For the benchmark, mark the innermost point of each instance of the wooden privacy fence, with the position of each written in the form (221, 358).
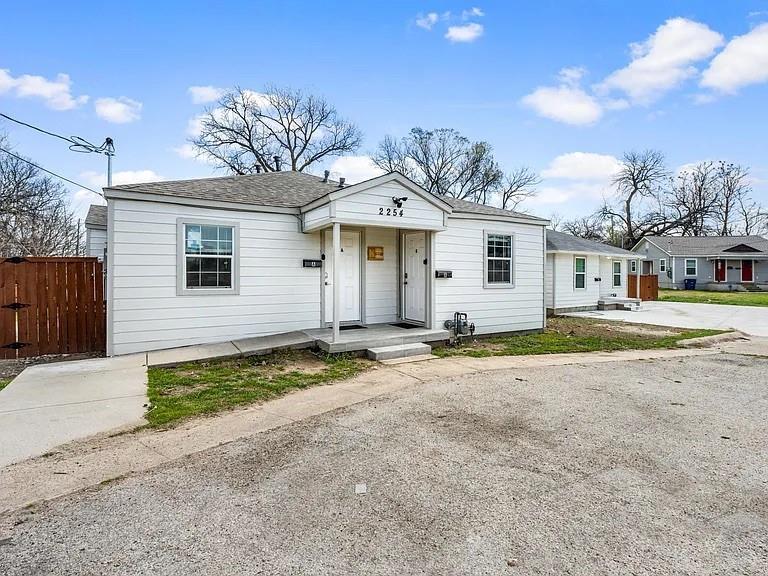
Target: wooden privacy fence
(649, 287)
(51, 306)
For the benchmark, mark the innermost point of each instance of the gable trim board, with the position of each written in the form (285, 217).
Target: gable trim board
(278, 294)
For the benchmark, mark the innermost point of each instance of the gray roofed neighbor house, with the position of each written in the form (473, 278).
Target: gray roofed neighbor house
(561, 242)
(706, 245)
(97, 217)
(283, 189)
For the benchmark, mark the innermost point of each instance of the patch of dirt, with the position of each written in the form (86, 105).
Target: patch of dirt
(655, 331)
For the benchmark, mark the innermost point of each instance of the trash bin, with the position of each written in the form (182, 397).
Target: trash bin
(690, 283)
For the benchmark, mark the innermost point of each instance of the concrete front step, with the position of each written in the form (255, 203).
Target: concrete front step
(399, 351)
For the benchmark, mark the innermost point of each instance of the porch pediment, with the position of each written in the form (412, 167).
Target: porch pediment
(390, 201)
(742, 249)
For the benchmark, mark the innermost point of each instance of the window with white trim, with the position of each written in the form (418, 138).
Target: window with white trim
(633, 266)
(580, 272)
(690, 266)
(662, 264)
(208, 257)
(616, 273)
(498, 259)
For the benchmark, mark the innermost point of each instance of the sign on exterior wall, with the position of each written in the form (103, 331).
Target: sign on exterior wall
(375, 252)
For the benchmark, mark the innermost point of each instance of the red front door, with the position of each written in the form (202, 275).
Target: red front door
(746, 271)
(719, 270)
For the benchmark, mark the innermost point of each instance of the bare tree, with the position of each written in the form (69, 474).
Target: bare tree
(35, 219)
(694, 199)
(246, 130)
(733, 198)
(443, 162)
(590, 227)
(518, 186)
(556, 221)
(753, 218)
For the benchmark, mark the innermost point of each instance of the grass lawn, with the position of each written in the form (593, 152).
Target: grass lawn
(4, 382)
(707, 297)
(578, 335)
(208, 387)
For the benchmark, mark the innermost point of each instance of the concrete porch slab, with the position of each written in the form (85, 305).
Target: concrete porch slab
(374, 336)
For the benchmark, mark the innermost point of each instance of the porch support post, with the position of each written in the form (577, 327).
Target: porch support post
(336, 276)
(637, 283)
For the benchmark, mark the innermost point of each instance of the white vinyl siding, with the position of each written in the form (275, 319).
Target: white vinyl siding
(691, 267)
(566, 294)
(461, 249)
(276, 293)
(375, 207)
(95, 242)
(381, 283)
(606, 279)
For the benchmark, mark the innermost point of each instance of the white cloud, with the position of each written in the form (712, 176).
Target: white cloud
(354, 169)
(582, 166)
(571, 76)
(118, 110)
(664, 60)
(466, 33)
(57, 94)
(205, 94)
(189, 152)
(577, 176)
(195, 125)
(742, 62)
(427, 21)
(568, 104)
(473, 12)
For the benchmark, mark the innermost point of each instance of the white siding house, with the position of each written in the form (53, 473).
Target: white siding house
(580, 273)
(217, 259)
(96, 231)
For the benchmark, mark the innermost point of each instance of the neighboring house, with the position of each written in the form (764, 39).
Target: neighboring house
(580, 273)
(96, 231)
(215, 259)
(715, 262)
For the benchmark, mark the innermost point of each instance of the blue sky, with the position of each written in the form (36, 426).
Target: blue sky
(562, 87)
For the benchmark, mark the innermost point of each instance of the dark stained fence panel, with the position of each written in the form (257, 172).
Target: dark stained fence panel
(52, 306)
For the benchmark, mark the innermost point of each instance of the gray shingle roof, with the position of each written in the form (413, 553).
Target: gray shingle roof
(279, 189)
(561, 242)
(97, 217)
(705, 245)
(474, 208)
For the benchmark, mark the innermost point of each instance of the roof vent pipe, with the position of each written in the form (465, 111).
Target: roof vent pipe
(325, 175)
(258, 169)
(277, 163)
(341, 182)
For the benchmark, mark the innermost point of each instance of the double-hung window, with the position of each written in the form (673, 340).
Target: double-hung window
(616, 273)
(208, 263)
(690, 266)
(662, 265)
(633, 266)
(580, 272)
(499, 260)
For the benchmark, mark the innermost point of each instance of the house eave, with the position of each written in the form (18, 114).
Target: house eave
(110, 193)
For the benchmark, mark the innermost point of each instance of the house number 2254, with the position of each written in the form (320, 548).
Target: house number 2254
(390, 211)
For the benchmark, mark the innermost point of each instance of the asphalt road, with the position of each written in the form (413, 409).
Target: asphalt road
(649, 467)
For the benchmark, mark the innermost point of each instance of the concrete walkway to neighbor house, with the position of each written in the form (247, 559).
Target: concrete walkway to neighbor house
(52, 404)
(84, 464)
(748, 319)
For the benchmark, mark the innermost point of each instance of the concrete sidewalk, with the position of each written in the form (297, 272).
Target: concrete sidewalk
(52, 404)
(84, 464)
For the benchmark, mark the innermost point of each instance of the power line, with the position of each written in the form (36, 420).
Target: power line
(49, 172)
(36, 128)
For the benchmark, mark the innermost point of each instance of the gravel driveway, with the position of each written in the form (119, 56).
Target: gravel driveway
(649, 467)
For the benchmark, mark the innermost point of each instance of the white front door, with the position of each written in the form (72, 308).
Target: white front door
(414, 276)
(349, 277)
